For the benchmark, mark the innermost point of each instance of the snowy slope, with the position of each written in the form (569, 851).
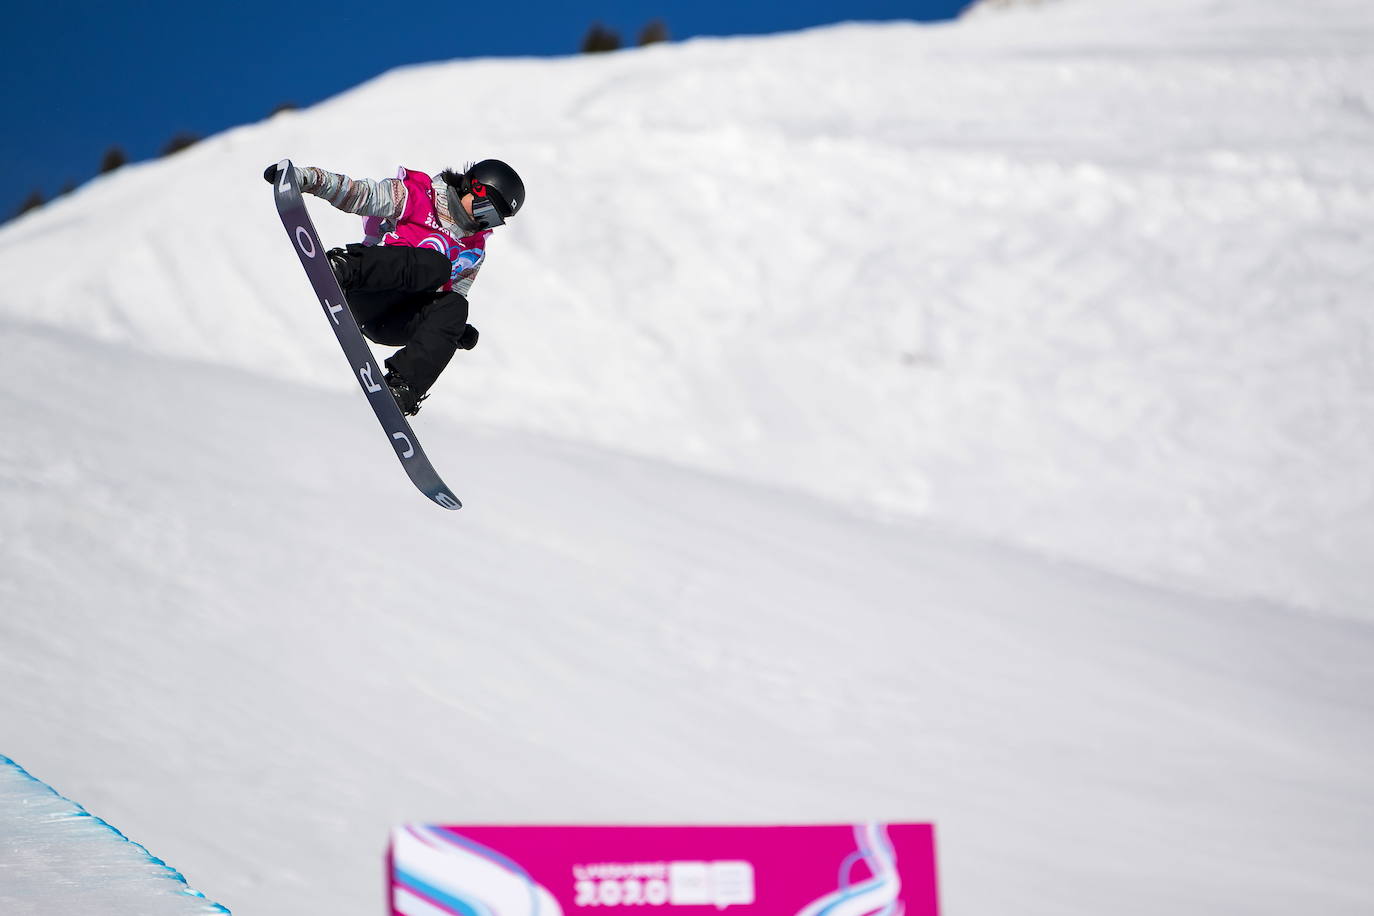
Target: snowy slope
(256, 660)
(991, 481)
(49, 843)
(1092, 262)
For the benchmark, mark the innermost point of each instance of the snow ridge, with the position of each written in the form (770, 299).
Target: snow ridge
(1087, 278)
(58, 857)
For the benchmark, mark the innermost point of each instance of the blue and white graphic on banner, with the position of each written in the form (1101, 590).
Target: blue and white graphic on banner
(467, 260)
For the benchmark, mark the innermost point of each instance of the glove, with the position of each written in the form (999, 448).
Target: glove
(271, 174)
(469, 338)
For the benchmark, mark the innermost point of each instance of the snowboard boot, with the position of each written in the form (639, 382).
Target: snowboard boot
(406, 398)
(345, 266)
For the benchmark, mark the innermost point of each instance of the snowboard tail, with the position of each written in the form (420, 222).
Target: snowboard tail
(369, 374)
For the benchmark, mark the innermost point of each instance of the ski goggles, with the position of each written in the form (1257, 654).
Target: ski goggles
(484, 208)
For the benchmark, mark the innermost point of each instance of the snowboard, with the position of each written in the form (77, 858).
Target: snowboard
(306, 241)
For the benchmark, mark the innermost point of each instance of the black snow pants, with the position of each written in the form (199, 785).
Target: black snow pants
(393, 293)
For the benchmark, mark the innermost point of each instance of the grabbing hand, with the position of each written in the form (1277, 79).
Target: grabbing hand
(272, 173)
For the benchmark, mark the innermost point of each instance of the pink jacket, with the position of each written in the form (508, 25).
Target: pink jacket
(406, 211)
(419, 227)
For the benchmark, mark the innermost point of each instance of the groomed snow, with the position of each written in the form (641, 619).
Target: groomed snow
(969, 423)
(1087, 277)
(55, 857)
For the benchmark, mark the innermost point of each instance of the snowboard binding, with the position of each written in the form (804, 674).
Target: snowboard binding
(405, 396)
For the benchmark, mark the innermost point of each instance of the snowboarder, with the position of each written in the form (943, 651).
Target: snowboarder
(407, 284)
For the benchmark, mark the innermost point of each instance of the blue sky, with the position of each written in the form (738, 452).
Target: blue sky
(81, 77)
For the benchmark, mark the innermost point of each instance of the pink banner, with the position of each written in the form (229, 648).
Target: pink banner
(836, 870)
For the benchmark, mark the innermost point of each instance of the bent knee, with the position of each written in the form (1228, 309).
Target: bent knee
(429, 269)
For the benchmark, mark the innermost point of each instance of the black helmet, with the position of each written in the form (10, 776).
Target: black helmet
(497, 182)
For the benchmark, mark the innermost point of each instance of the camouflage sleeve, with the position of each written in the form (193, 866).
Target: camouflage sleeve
(363, 196)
